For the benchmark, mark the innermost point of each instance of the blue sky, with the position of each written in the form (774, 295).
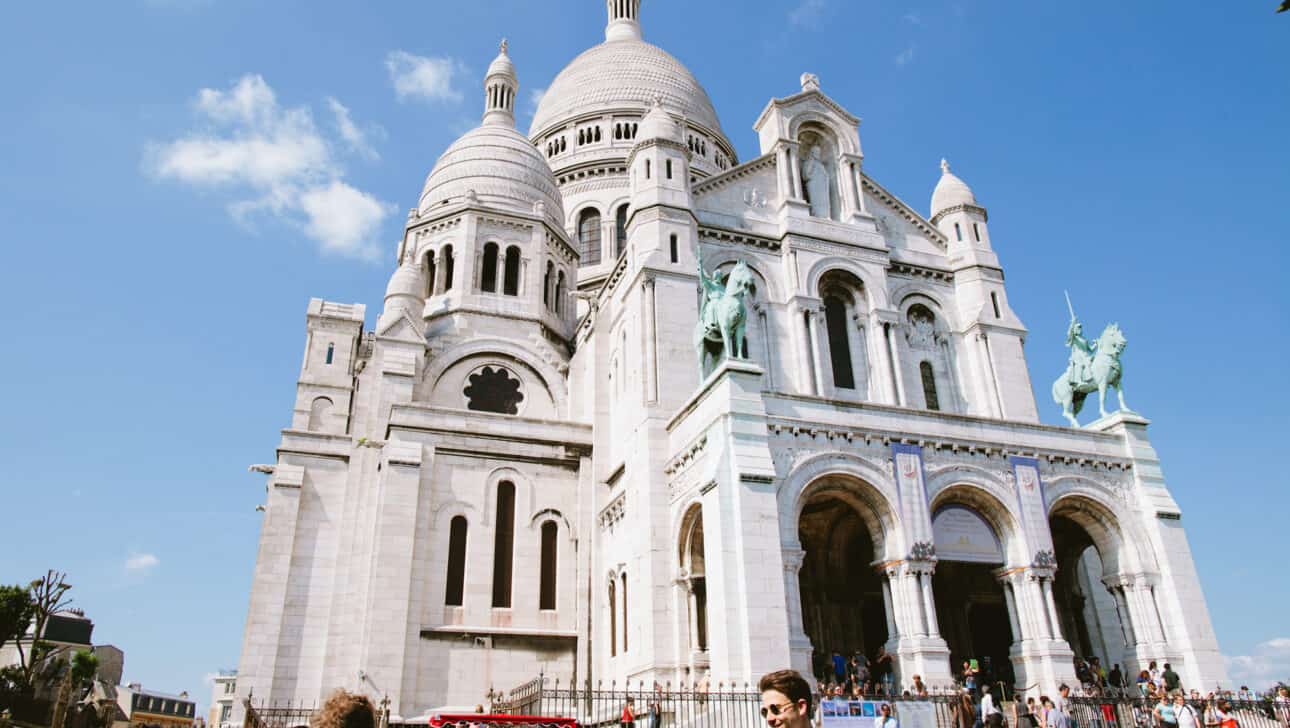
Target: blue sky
(178, 177)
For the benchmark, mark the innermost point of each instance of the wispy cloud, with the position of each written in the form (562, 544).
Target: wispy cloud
(247, 142)
(139, 563)
(1269, 663)
(807, 12)
(419, 77)
(355, 137)
(535, 99)
(905, 57)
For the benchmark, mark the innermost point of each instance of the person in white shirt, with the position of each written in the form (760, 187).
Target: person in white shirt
(1185, 713)
(885, 718)
(990, 713)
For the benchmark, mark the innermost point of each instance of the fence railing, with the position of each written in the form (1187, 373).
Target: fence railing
(277, 715)
(737, 706)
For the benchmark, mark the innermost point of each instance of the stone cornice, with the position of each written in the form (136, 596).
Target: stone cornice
(904, 210)
(738, 237)
(746, 169)
(800, 96)
(916, 271)
(960, 208)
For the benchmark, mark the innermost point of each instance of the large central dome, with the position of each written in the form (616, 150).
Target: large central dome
(625, 73)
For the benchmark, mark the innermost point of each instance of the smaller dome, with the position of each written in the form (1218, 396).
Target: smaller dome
(406, 281)
(658, 124)
(500, 168)
(950, 191)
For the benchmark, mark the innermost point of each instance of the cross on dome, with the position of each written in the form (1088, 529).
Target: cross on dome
(500, 87)
(945, 166)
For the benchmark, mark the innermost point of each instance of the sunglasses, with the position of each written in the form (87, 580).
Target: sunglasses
(776, 709)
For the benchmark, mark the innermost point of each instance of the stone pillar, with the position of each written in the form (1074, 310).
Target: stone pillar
(881, 387)
(651, 342)
(929, 604)
(1039, 608)
(1008, 597)
(1125, 614)
(893, 630)
(795, 168)
(799, 644)
(820, 354)
(1047, 586)
(860, 361)
(813, 352)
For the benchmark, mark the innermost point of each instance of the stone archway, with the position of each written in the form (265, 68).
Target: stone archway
(693, 580)
(1104, 609)
(842, 528)
(972, 532)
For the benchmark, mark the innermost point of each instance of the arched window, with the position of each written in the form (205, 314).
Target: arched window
(560, 291)
(331, 352)
(835, 321)
(488, 274)
(319, 410)
(624, 596)
(456, 587)
(613, 621)
(504, 544)
(511, 277)
(620, 230)
(589, 236)
(546, 284)
(675, 252)
(449, 262)
(429, 273)
(546, 591)
(929, 386)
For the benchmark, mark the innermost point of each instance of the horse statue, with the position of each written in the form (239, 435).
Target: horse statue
(1092, 367)
(722, 317)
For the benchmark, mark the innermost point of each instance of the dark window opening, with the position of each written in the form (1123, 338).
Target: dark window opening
(929, 386)
(675, 252)
(488, 277)
(613, 621)
(449, 262)
(546, 284)
(668, 163)
(958, 232)
(620, 229)
(589, 237)
(331, 352)
(456, 562)
(624, 578)
(647, 165)
(504, 544)
(430, 271)
(976, 232)
(546, 592)
(493, 389)
(511, 277)
(559, 293)
(835, 322)
(994, 298)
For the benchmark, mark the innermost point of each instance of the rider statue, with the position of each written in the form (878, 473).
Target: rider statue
(1082, 351)
(714, 287)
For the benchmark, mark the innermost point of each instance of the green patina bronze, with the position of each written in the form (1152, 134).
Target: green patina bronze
(1093, 367)
(723, 319)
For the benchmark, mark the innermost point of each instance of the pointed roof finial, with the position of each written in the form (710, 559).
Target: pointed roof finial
(502, 47)
(945, 166)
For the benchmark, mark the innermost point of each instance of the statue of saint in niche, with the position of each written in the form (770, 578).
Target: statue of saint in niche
(818, 183)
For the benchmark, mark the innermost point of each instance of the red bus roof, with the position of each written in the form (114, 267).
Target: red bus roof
(438, 720)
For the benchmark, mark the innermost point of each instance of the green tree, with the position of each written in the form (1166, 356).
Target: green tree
(16, 610)
(85, 665)
(48, 597)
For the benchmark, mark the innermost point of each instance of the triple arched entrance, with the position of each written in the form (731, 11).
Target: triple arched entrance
(862, 588)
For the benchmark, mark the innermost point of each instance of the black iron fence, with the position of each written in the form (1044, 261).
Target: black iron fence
(737, 706)
(277, 715)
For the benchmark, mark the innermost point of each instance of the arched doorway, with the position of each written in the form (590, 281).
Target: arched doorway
(1087, 545)
(840, 528)
(971, 606)
(694, 582)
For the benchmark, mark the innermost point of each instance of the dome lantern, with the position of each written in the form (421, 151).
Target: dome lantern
(624, 20)
(500, 87)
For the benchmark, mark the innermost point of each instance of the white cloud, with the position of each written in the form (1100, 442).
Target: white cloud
(905, 56)
(140, 563)
(535, 99)
(279, 162)
(807, 12)
(345, 220)
(354, 137)
(430, 79)
(1269, 663)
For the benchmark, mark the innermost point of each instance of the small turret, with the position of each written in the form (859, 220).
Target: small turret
(405, 294)
(659, 163)
(955, 213)
(500, 87)
(624, 20)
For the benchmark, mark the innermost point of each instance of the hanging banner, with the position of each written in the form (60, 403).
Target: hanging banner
(911, 490)
(843, 713)
(1031, 503)
(963, 535)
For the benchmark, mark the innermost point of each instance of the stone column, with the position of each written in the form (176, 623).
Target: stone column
(880, 387)
(1047, 586)
(914, 591)
(929, 604)
(1039, 609)
(893, 630)
(813, 340)
(861, 364)
(893, 357)
(1017, 634)
(795, 167)
(768, 351)
(952, 372)
(799, 644)
(651, 341)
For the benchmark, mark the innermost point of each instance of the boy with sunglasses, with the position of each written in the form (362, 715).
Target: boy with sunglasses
(785, 699)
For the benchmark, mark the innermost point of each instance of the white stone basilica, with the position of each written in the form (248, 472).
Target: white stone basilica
(522, 471)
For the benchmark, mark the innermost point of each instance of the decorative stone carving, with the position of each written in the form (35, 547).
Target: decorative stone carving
(921, 331)
(723, 319)
(810, 82)
(922, 551)
(754, 198)
(1044, 560)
